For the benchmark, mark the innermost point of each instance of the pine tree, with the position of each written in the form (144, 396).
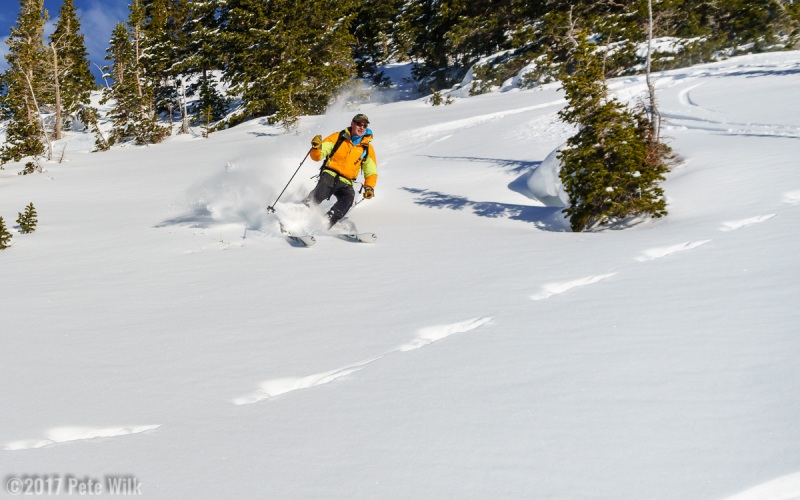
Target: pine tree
(162, 42)
(374, 29)
(73, 78)
(202, 56)
(5, 235)
(287, 58)
(132, 112)
(612, 166)
(21, 83)
(422, 36)
(27, 220)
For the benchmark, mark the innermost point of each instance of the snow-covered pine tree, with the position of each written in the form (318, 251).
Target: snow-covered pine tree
(126, 109)
(202, 56)
(22, 81)
(612, 166)
(73, 77)
(132, 111)
(162, 43)
(27, 220)
(5, 235)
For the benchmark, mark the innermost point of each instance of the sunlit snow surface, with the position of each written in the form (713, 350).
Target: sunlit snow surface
(158, 324)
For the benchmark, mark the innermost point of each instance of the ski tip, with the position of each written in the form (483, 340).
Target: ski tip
(302, 241)
(361, 237)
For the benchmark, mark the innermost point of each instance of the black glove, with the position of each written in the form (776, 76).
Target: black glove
(368, 192)
(316, 142)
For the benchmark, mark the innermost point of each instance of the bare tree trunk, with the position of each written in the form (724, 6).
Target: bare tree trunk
(655, 115)
(184, 111)
(58, 125)
(137, 35)
(103, 74)
(41, 120)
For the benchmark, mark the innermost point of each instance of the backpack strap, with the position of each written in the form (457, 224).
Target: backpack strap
(336, 145)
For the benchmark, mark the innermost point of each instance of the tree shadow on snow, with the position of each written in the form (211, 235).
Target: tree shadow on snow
(547, 218)
(544, 218)
(512, 166)
(519, 185)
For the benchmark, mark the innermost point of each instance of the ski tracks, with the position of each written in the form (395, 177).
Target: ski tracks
(59, 435)
(268, 389)
(273, 388)
(549, 290)
(426, 336)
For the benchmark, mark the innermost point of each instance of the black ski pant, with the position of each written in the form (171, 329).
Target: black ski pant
(329, 185)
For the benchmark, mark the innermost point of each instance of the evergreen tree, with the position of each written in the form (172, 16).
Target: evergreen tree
(612, 166)
(21, 83)
(287, 58)
(125, 88)
(132, 112)
(422, 36)
(374, 30)
(204, 55)
(27, 220)
(162, 43)
(72, 76)
(5, 235)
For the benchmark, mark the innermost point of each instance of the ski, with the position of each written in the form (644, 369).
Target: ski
(346, 230)
(359, 237)
(305, 240)
(350, 233)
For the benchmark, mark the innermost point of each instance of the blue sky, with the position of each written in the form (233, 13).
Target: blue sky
(97, 18)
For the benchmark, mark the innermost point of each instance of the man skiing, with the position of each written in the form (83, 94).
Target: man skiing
(345, 154)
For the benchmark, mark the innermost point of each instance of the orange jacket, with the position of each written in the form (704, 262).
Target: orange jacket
(349, 159)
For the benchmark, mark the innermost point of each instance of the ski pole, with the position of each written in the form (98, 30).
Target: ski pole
(271, 208)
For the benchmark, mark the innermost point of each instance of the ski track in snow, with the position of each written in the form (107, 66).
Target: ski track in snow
(700, 118)
(276, 387)
(551, 289)
(443, 130)
(734, 225)
(783, 488)
(435, 333)
(685, 97)
(660, 252)
(59, 435)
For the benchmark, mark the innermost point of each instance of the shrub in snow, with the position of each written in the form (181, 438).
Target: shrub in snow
(5, 236)
(27, 220)
(612, 166)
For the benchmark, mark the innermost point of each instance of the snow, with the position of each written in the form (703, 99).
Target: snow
(158, 325)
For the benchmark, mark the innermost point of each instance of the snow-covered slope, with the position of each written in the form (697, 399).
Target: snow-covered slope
(157, 325)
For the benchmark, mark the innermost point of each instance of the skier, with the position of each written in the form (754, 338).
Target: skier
(345, 154)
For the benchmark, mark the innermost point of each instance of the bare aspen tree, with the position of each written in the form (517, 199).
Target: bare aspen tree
(57, 90)
(655, 116)
(41, 118)
(184, 112)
